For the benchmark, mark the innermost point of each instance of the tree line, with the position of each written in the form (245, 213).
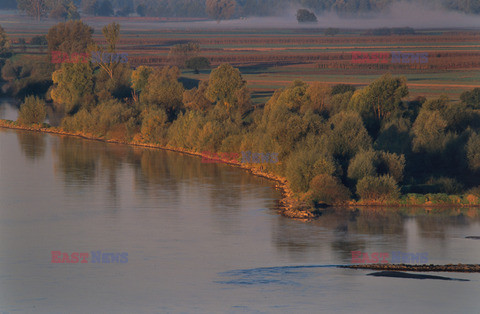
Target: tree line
(216, 9)
(334, 143)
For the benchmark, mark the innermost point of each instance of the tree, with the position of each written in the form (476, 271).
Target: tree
(220, 9)
(35, 8)
(429, 131)
(73, 86)
(32, 111)
(473, 152)
(319, 94)
(72, 12)
(39, 40)
(305, 16)
(90, 6)
(381, 97)
(348, 135)
(471, 98)
(342, 88)
(195, 98)
(224, 81)
(5, 44)
(197, 63)
(179, 54)
(111, 32)
(141, 10)
(163, 90)
(59, 12)
(105, 8)
(140, 79)
(70, 37)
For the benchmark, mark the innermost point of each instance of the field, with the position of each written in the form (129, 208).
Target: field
(272, 58)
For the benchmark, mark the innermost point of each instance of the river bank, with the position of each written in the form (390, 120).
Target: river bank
(289, 205)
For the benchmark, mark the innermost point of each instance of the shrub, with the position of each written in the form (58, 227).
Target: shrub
(328, 189)
(39, 40)
(378, 188)
(32, 111)
(445, 185)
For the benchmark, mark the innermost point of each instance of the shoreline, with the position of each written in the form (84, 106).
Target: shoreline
(288, 205)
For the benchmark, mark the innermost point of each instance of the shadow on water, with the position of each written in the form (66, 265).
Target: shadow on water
(282, 275)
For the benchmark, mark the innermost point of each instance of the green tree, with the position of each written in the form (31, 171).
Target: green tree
(40, 40)
(32, 111)
(70, 37)
(5, 45)
(163, 90)
(105, 8)
(179, 54)
(382, 97)
(220, 9)
(305, 16)
(429, 132)
(197, 64)
(73, 86)
(223, 83)
(471, 98)
(348, 135)
(140, 79)
(195, 98)
(111, 32)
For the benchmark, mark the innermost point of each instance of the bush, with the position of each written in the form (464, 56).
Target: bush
(474, 191)
(32, 111)
(39, 40)
(445, 185)
(328, 189)
(378, 188)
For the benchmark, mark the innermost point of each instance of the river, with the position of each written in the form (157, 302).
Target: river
(201, 238)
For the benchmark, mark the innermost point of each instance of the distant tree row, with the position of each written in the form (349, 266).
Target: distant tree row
(56, 9)
(216, 9)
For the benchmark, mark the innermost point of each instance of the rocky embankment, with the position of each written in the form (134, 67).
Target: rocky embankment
(459, 268)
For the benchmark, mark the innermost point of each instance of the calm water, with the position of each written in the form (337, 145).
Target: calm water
(201, 238)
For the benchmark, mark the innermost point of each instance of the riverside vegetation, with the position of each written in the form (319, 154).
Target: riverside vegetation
(336, 145)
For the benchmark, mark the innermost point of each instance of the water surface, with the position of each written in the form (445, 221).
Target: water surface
(202, 238)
